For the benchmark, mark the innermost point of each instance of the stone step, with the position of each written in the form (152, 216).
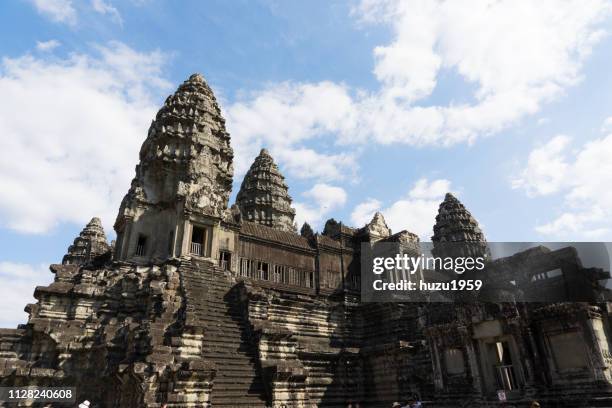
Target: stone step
(226, 343)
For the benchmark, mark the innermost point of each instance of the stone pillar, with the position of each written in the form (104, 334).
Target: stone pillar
(472, 359)
(593, 325)
(126, 235)
(186, 238)
(438, 377)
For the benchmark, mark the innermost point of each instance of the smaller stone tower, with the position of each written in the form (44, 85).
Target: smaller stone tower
(456, 232)
(264, 197)
(90, 244)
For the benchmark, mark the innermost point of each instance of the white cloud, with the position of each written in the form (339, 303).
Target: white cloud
(326, 196)
(363, 212)
(583, 178)
(415, 212)
(323, 198)
(543, 121)
(283, 116)
(546, 170)
(17, 289)
(516, 55)
(423, 189)
(306, 163)
(102, 7)
(60, 11)
(47, 45)
(72, 128)
(607, 125)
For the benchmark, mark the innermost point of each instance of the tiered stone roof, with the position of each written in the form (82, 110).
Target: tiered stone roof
(90, 244)
(264, 196)
(454, 223)
(187, 154)
(456, 231)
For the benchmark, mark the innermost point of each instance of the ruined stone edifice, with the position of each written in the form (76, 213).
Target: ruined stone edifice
(200, 304)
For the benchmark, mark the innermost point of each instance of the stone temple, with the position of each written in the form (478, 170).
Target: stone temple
(199, 304)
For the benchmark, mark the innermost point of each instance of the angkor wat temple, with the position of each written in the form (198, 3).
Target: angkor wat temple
(199, 304)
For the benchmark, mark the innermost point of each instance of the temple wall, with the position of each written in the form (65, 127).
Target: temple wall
(276, 255)
(576, 348)
(160, 229)
(305, 348)
(112, 326)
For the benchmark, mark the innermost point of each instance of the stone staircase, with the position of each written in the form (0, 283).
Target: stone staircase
(213, 305)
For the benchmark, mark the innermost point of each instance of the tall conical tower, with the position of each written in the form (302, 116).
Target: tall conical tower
(90, 244)
(264, 197)
(184, 177)
(456, 232)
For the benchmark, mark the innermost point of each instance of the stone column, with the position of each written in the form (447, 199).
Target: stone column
(472, 358)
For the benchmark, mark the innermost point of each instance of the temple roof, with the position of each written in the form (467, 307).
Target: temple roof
(273, 234)
(264, 196)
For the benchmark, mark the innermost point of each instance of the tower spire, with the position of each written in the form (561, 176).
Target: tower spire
(90, 244)
(456, 231)
(264, 196)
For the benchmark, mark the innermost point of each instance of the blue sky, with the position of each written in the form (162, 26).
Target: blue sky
(366, 106)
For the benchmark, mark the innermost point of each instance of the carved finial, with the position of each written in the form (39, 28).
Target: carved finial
(197, 77)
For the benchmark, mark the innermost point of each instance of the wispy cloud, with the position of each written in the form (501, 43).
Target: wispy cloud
(60, 11)
(516, 55)
(321, 199)
(105, 8)
(81, 120)
(415, 211)
(17, 289)
(582, 177)
(49, 45)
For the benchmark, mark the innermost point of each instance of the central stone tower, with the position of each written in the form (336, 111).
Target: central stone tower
(183, 181)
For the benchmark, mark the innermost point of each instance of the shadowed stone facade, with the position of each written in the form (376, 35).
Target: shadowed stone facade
(201, 305)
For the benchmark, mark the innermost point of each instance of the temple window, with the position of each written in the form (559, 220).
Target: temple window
(198, 238)
(547, 275)
(309, 280)
(291, 279)
(569, 351)
(225, 260)
(262, 270)
(287, 275)
(499, 353)
(453, 359)
(246, 267)
(141, 245)
(277, 273)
